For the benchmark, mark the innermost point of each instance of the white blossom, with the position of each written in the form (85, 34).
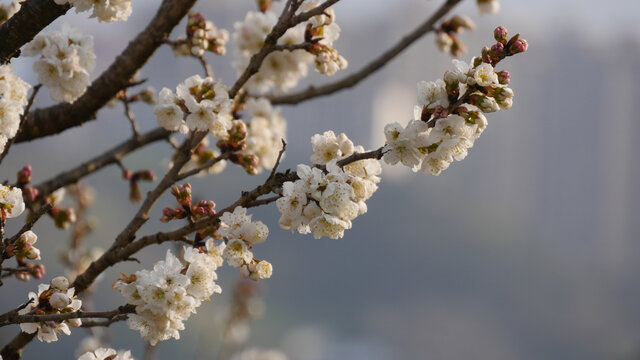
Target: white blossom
(66, 60)
(104, 10)
(11, 202)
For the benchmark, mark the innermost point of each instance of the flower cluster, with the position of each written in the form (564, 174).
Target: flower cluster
(55, 298)
(443, 130)
(323, 31)
(167, 295)
(202, 36)
(241, 234)
(106, 354)
(284, 69)
(66, 59)
(104, 10)
(11, 202)
(446, 35)
(327, 202)
(204, 102)
(7, 11)
(13, 99)
(265, 131)
(490, 7)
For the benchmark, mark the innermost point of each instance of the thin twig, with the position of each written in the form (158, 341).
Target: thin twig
(203, 167)
(92, 165)
(275, 167)
(132, 119)
(377, 64)
(205, 66)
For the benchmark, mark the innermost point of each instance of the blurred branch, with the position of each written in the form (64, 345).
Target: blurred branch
(57, 118)
(14, 318)
(112, 156)
(350, 81)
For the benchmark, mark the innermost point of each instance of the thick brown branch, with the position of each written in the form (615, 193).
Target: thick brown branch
(23, 26)
(55, 119)
(372, 67)
(110, 157)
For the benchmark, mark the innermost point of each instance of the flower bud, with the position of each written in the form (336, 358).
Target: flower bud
(518, 46)
(22, 276)
(182, 194)
(28, 237)
(127, 174)
(145, 175)
(504, 78)
(30, 193)
(33, 254)
(60, 283)
(135, 194)
(59, 300)
(38, 271)
(75, 323)
(24, 175)
(501, 34)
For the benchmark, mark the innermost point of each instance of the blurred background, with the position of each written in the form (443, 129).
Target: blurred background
(527, 249)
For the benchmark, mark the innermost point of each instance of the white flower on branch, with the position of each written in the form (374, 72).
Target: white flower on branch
(166, 296)
(11, 202)
(106, 354)
(104, 10)
(61, 300)
(13, 99)
(66, 59)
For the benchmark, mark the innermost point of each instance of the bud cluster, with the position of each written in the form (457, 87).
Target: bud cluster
(182, 193)
(135, 194)
(202, 36)
(446, 35)
(54, 298)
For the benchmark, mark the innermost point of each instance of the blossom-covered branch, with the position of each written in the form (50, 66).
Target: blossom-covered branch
(15, 318)
(57, 118)
(33, 16)
(352, 80)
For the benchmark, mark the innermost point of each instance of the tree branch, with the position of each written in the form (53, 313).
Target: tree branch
(23, 119)
(377, 64)
(14, 318)
(112, 156)
(57, 118)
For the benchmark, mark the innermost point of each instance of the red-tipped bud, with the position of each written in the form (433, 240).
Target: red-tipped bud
(145, 175)
(127, 174)
(518, 46)
(30, 193)
(504, 78)
(24, 175)
(501, 34)
(204, 208)
(38, 271)
(440, 112)
(182, 194)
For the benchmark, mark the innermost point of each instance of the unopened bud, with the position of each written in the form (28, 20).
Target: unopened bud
(504, 78)
(59, 300)
(24, 175)
(30, 193)
(135, 194)
(38, 271)
(501, 34)
(60, 283)
(518, 46)
(33, 254)
(127, 174)
(76, 323)
(145, 175)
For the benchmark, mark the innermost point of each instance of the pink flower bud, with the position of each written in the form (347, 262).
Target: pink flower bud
(146, 175)
(518, 46)
(30, 193)
(504, 78)
(501, 34)
(38, 271)
(24, 175)
(22, 276)
(127, 174)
